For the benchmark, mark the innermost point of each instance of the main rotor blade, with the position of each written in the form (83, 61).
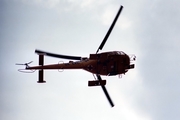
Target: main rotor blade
(58, 55)
(110, 29)
(105, 91)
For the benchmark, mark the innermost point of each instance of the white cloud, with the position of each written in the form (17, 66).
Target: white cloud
(129, 112)
(108, 17)
(54, 4)
(146, 91)
(125, 23)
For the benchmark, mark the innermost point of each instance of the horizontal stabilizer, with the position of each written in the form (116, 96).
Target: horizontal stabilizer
(41, 72)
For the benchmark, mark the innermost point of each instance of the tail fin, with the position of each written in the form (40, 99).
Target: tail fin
(41, 72)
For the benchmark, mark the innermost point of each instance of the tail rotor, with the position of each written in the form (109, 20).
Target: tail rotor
(26, 66)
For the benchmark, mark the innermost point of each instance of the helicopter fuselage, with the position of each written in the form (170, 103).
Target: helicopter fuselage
(107, 63)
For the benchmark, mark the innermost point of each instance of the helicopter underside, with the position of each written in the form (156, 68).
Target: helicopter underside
(108, 64)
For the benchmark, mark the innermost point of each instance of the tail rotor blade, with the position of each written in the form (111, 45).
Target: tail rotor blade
(19, 64)
(26, 64)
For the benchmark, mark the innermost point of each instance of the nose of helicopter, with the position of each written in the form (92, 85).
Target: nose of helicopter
(131, 58)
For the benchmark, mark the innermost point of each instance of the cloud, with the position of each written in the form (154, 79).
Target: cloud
(157, 38)
(54, 4)
(150, 91)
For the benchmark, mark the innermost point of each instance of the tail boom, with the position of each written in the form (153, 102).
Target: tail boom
(72, 65)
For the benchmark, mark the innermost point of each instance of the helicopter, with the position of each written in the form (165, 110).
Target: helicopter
(106, 63)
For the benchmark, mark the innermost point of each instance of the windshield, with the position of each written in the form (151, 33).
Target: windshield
(120, 53)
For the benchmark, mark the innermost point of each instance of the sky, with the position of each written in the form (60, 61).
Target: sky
(147, 28)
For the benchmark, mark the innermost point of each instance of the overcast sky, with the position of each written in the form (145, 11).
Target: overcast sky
(147, 28)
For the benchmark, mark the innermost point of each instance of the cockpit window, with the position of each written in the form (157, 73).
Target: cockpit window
(120, 53)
